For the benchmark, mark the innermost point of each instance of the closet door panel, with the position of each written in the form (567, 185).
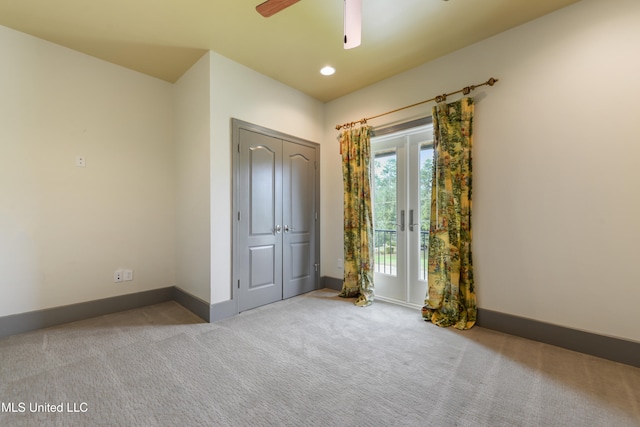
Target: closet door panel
(298, 170)
(260, 228)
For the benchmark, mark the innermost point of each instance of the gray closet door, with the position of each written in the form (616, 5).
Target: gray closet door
(260, 231)
(277, 224)
(298, 218)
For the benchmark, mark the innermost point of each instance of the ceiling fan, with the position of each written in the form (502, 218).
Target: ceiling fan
(352, 17)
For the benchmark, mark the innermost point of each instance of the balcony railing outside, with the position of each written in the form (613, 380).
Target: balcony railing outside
(385, 244)
(385, 252)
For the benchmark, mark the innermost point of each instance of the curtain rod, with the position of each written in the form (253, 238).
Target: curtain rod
(439, 98)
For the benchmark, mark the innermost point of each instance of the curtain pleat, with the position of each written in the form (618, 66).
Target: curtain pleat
(355, 146)
(451, 299)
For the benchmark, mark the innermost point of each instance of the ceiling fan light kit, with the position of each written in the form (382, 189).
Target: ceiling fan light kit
(352, 23)
(352, 18)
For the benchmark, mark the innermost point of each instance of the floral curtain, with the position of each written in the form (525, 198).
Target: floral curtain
(451, 299)
(355, 147)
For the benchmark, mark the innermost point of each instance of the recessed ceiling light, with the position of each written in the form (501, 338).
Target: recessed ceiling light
(327, 71)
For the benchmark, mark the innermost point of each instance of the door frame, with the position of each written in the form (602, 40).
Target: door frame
(236, 125)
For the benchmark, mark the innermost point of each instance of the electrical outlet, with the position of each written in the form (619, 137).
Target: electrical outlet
(127, 275)
(340, 264)
(118, 276)
(81, 161)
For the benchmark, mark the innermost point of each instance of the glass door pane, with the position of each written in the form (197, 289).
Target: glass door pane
(385, 213)
(426, 177)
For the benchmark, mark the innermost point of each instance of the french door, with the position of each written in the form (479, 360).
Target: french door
(401, 208)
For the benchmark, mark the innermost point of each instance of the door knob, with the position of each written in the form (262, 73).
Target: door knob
(278, 228)
(286, 228)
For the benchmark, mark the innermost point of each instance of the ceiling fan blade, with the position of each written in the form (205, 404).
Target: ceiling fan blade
(271, 7)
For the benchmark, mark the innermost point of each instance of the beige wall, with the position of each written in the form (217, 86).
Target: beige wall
(556, 181)
(64, 230)
(192, 146)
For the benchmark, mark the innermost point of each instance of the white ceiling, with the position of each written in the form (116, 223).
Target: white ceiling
(163, 38)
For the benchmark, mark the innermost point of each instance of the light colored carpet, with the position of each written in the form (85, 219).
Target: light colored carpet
(313, 360)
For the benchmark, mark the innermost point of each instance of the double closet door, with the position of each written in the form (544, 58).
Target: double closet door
(277, 217)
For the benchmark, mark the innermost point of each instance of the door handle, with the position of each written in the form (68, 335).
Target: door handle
(402, 220)
(277, 229)
(411, 224)
(286, 228)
